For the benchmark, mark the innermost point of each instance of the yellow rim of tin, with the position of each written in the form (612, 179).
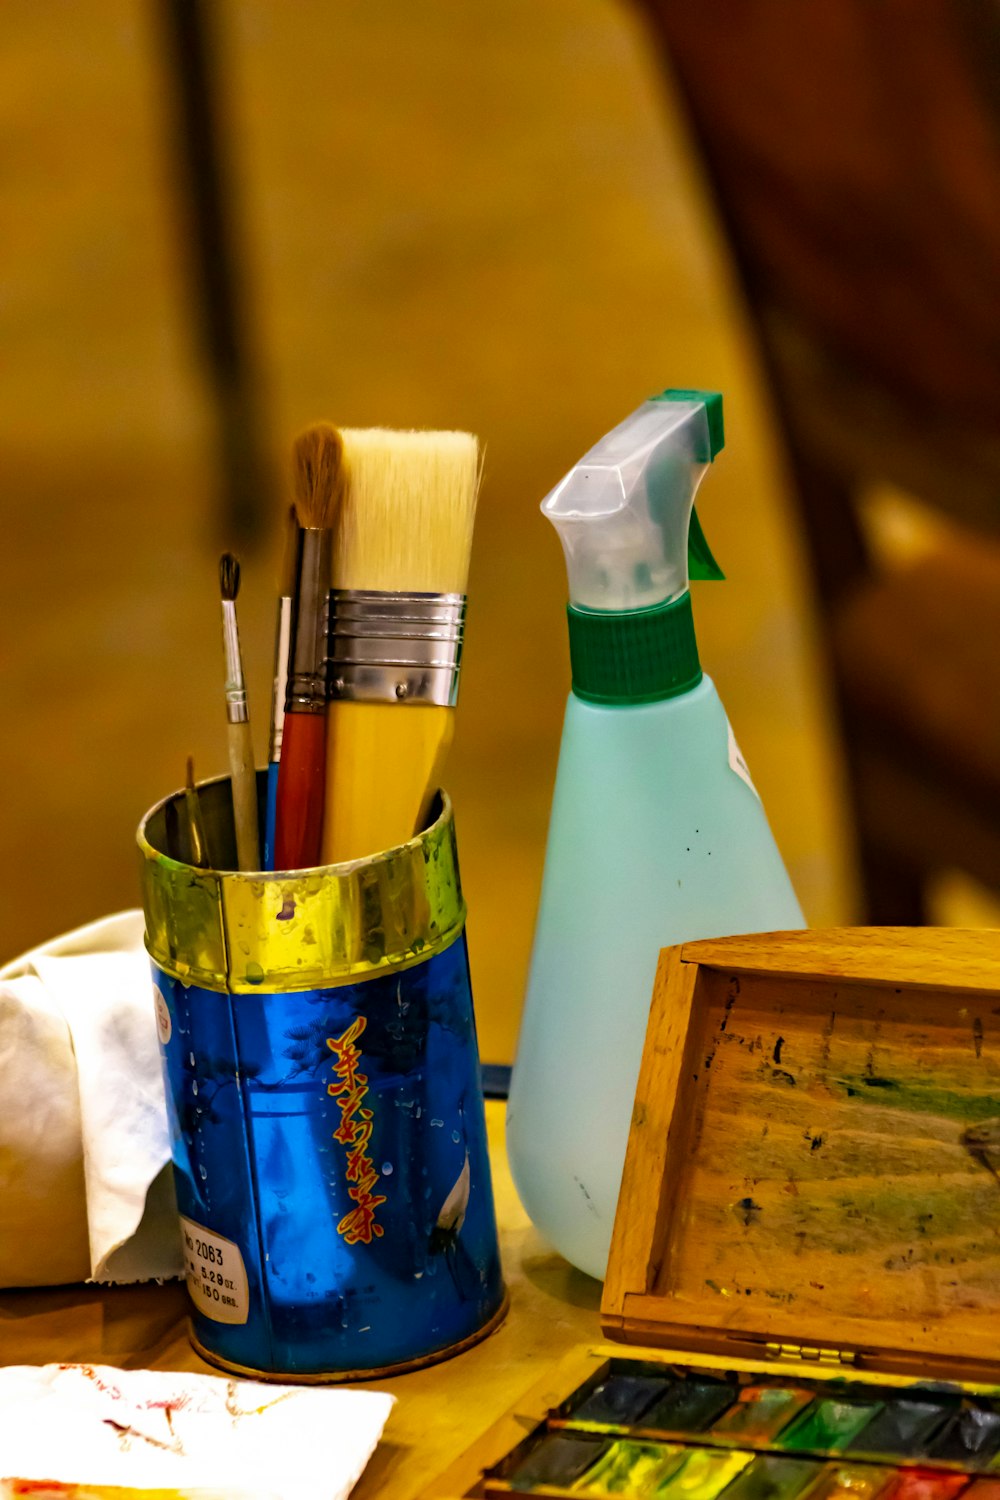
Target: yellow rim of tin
(306, 929)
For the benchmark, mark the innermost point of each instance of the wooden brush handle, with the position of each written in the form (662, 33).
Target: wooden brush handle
(298, 834)
(243, 778)
(384, 763)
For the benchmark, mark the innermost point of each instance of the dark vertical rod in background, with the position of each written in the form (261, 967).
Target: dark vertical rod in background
(206, 198)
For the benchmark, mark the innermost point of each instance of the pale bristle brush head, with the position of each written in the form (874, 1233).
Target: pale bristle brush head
(319, 476)
(229, 576)
(406, 522)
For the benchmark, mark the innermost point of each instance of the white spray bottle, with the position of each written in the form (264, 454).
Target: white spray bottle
(657, 834)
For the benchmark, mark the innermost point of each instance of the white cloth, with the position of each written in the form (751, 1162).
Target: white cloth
(92, 1425)
(86, 1190)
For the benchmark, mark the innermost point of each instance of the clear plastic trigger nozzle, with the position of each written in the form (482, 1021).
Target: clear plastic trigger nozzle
(623, 512)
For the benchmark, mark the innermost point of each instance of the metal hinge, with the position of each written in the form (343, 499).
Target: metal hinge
(815, 1356)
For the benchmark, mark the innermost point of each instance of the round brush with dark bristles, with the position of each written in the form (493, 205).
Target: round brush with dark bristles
(319, 483)
(241, 763)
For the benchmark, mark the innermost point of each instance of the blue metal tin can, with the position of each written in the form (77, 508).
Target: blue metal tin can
(325, 1103)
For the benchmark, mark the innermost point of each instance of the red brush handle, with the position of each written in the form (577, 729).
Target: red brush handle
(298, 835)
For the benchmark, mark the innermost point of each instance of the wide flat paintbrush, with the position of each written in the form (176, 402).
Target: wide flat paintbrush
(397, 616)
(302, 767)
(243, 776)
(282, 647)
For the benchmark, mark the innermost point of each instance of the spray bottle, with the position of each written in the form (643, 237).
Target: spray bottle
(657, 834)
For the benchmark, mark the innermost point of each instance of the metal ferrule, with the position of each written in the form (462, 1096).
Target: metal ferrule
(306, 691)
(236, 691)
(395, 647)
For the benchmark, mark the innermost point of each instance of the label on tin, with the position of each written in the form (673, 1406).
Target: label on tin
(216, 1275)
(738, 765)
(354, 1133)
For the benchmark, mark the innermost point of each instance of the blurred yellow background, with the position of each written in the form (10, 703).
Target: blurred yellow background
(448, 215)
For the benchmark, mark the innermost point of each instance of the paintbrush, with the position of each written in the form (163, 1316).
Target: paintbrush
(319, 482)
(397, 618)
(282, 644)
(197, 841)
(243, 777)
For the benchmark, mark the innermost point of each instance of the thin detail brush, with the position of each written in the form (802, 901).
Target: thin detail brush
(397, 619)
(282, 646)
(319, 479)
(197, 840)
(243, 777)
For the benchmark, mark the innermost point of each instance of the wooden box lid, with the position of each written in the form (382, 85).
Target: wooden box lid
(814, 1158)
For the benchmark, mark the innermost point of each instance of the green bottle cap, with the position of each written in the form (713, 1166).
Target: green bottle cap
(633, 656)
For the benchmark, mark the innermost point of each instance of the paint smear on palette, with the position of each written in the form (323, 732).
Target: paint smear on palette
(771, 1477)
(828, 1425)
(762, 1411)
(925, 1484)
(703, 1474)
(853, 1482)
(558, 1460)
(627, 1468)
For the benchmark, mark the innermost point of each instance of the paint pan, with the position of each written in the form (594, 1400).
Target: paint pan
(773, 1477)
(902, 1428)
(761, 1412)
(853, 1482)
(828, 1425)
(558, 1459)
(971, 1437)
(703, 1474)
(624, 1398)
(629, 1468)
(925, 1484)
(691, 1405)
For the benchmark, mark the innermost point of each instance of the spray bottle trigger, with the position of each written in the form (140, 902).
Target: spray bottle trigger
(701, 564)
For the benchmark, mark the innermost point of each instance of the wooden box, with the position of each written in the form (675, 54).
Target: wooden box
(813, 1171)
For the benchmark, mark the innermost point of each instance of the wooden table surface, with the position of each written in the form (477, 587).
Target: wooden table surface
(439, 1411)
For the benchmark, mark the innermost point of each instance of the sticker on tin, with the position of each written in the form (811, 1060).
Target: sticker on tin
(164, 1028)
(216, 1275)
(738, 764)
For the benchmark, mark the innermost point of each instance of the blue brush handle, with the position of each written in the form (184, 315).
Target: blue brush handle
(271, 815)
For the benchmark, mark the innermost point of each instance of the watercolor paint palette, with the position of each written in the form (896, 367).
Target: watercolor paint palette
(806, 1255)
(642, 1429)
(659, 1426)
